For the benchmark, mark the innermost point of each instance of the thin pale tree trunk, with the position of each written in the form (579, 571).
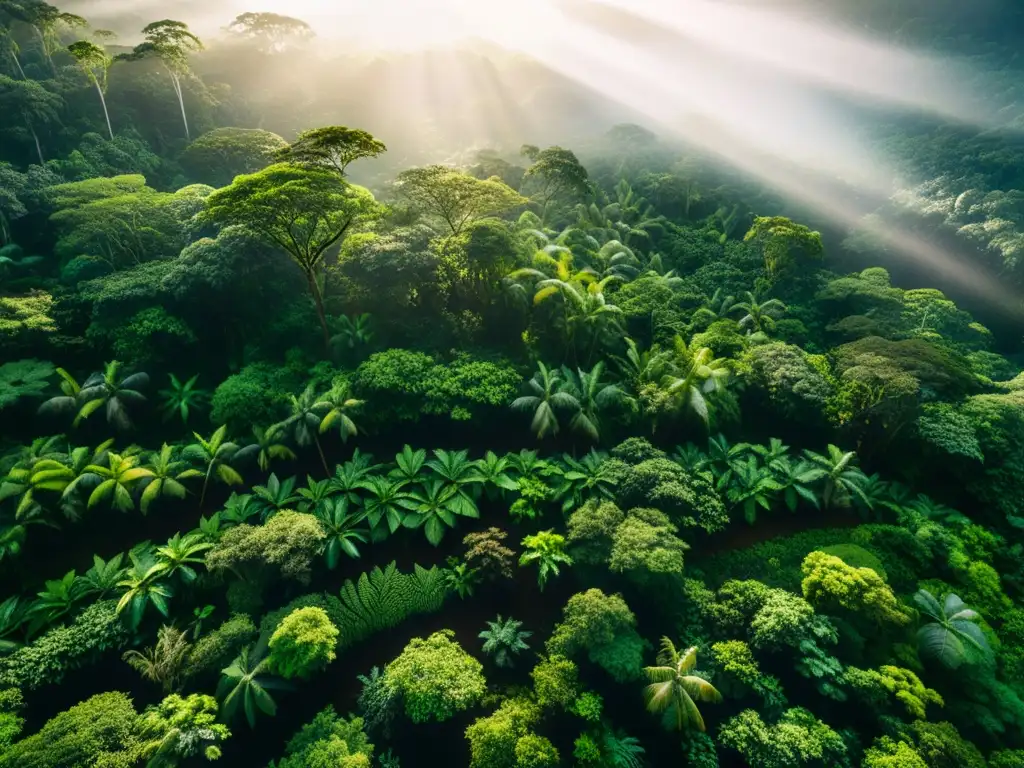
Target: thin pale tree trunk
(39, 147)
(103, 101)
(17, 63)
(46, 53)
(318, 300)
(181, 103)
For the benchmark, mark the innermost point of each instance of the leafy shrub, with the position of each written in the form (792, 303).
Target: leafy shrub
(605, 628)
(793, 386)
(533, 751)
(79, 737)
(687, 498)
(258, 394)
(325, 601)
(328, 740)
(402, 385)
(47, 659)
(645, 545)
(830, 582)
(591, 528)
(214, 651)
(555, 682)
(856, 556)
(435, 678)
(288, 542)
(492, 739)
(23, 379)
(303, 643)
(797, 739)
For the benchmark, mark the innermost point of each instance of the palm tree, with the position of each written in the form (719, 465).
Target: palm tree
(337, 404)
(116, 481)
(275, 495)
(647, 367)
(245, 682)
(547, 550)
(166, 474)
(759, 317)
(216, 455)
(164, 663)
(269, 447)
(672, 691)
(616, 259)
(432, 506)
(108, 388)
(458, 473)
(67, 402)
(94, 62)
(592, 396)
(796, 479)
(842, 479)
(752, 486)
(344, 528)
(951, 631)
(701, 375)
(349, 478)
(408, 465)
(55, 601)
(504, 640)
(585, 479)
(719, 307)
(492, 471)
(723, 459)
(13, 614)
(102, 579)
(304, 422)
(183, 398)
(239, 509)
(355, 332)
(545, 399)
(388, 502)
(315, 494)
(143, 586)
(179, 554)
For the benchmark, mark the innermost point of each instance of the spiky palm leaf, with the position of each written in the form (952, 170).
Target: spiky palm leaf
(672, 691)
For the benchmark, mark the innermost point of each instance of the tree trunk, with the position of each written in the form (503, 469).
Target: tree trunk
(17, 63)
(39, 147)
(181, 103)
(106, 114)
(318, 300)
(46, 53)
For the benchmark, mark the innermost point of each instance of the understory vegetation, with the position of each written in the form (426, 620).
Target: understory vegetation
(527, 459)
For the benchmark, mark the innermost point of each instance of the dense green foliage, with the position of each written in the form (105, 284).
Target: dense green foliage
(752, 488)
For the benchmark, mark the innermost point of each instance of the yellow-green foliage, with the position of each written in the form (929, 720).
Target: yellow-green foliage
(492, 739)
(856, 556)
(877, 687)
(888, 753)
(435, 678)
(303, 643)
(555, 682)
(830, 583)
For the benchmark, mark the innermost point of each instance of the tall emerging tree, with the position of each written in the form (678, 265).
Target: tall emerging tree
(30, 104)
(303, 211)
(454, 197)
(672, 691)
(47, 22)
(95, 62)
(171, 42)
(272, 32)
(331, 148)
(555, 173)
(784, 243)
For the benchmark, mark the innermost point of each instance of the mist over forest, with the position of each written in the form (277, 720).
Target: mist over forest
(594, 383)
